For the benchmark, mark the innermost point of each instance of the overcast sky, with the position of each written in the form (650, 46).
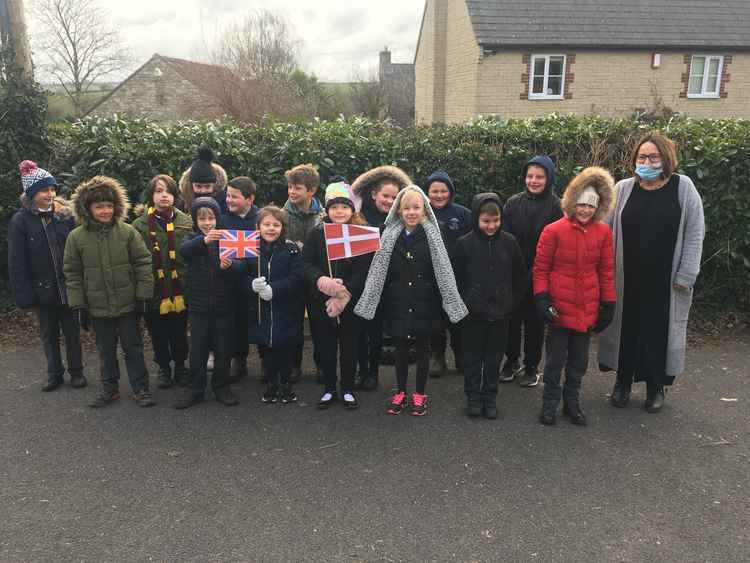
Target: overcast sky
(337, 35)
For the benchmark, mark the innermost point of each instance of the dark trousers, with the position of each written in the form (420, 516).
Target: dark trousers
(209, 331)
(277, 362)
(370, 346)
(338, 339)
(53, 319)
(168, 337)
(567, 349)
(484, 346)
(422, 348)
(439, 341)
(526, 319)
(240, 347)
(126, 329)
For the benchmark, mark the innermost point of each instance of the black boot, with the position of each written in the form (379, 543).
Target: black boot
(572, 409)
(621, 392)
(548, 417)
(78, 380)
(655, 395)
(164, 379)
(52, 384)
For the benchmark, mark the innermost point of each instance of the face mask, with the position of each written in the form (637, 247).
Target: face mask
(646, 172)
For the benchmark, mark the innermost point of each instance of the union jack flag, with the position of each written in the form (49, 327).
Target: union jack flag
(239, 244)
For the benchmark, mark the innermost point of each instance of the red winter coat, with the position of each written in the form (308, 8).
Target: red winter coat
(575, 264)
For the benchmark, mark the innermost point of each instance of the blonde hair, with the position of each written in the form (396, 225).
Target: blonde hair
(408, 196)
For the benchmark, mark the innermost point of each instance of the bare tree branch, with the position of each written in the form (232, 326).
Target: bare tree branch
(78, 46)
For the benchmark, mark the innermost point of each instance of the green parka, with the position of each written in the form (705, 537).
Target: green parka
(183, 226)
(107, 266)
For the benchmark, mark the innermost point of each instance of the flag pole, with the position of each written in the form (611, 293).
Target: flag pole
(330, 270)
(259, 304)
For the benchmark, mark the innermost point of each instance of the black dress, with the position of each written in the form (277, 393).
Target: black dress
(650, 222)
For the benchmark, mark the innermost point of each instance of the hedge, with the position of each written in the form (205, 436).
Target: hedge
(485, 155)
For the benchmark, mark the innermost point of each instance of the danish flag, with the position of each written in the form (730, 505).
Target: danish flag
(346, 241)
(239, 244)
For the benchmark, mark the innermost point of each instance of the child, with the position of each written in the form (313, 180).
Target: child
(377, 189)
(491, 278)
(108, 274)
(405, 272)
(574, 287)
(455, 220)
(277, 291)
(241, 214)
(203, 178)
(333, 294)
(211, 305)
(163, 228)
(524, 216)
(304, 213)
(36, 239)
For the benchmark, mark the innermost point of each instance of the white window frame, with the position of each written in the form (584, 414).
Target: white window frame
(703, 93)
(546, 57)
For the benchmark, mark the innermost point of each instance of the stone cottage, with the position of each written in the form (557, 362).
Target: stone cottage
(168, 89)
(524, 58)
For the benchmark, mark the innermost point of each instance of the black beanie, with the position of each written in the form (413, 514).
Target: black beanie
(202, 170)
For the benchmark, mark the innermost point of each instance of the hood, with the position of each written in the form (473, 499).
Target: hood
(186, 189)
(204, 201)
(393, 216)
(477, 203)
(599, 179)
(441, 176)
(545, 162)
(63, 207)
(85, 191)
(365, 183)
(315, 208)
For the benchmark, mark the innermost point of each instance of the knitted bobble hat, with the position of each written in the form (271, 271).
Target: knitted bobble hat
(339, 192)
(589, 196)
(34, 179)
(202, 169)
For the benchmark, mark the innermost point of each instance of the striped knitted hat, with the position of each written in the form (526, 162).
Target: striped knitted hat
(34, 179)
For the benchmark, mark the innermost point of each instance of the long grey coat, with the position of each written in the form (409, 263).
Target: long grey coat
(685, 267)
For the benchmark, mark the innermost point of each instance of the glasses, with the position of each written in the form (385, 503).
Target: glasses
(652, 158)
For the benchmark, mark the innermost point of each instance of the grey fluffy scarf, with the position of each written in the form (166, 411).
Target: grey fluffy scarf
(452, 303)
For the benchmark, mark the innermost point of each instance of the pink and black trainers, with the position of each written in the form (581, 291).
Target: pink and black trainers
(397, 404)
(418, 404)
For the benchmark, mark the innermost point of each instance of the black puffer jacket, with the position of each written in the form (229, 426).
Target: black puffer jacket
(411, 298)
(353, 271)
(209, 289)
(35, 255)
(525, 214)
(490, 271)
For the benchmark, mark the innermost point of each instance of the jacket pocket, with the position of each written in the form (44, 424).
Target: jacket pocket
(682, 300)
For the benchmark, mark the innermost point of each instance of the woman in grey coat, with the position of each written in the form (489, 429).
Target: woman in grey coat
(658, 234)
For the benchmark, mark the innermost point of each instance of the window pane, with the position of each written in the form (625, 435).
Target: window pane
(554, 86)
(556, 66)
(711, 85)
(696, 69)
(695, 85)
(539, 66)
(538, 87)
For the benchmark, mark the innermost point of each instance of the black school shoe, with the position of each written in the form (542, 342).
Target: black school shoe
(573, 411)
(510, 371)
(655, 397)
(78, 381)
(620, 396)
(327, 399)
(350, 401)
(530, 378)
(548, 417)
(51, 385)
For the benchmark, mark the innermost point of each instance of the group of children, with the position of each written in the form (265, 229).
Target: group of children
(480, 274)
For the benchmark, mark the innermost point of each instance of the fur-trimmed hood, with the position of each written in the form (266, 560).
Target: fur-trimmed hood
(186, 188)
(83, 196)
(599, 179)
(364, 184)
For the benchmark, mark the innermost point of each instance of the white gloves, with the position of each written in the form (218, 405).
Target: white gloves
(258, 284)
(266, 294)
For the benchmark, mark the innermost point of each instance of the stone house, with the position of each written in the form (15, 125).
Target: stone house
(168, 89)
(525, 58)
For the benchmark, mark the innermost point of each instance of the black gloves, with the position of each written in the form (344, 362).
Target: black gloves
(84, 321)
(544, 308)
(606, 314)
